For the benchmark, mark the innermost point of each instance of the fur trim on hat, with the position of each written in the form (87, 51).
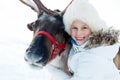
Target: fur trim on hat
(84, 11)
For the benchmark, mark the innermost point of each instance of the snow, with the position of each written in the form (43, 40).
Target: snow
(15, 38)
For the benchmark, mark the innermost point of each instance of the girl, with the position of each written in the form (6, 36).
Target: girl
(94, 45)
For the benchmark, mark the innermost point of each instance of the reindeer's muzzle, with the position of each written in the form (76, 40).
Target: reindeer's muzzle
(37, 53)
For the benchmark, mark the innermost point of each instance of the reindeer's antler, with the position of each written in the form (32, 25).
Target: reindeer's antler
(42, 7)
(66, 8)
(31, 5)
(39, 7)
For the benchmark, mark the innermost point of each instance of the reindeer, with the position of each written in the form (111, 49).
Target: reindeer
(50, 45)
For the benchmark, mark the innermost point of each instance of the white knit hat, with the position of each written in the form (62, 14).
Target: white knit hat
(84, 11)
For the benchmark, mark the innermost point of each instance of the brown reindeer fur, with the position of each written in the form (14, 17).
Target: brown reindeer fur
(105, 38)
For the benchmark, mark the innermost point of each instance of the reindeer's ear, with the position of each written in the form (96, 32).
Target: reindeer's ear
(30, 26)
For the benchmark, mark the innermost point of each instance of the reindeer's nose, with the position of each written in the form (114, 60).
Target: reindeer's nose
(35, 60)
(32, 58)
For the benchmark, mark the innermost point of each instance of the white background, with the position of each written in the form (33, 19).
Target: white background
(15, 37)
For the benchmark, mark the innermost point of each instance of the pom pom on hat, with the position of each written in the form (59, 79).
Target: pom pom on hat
(84, 11)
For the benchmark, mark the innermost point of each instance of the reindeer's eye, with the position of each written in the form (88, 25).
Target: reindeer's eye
(36, 23)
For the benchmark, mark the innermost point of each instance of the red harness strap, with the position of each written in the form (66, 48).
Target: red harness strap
(56, 46)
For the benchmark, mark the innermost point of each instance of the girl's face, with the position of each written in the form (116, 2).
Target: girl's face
(80, 31)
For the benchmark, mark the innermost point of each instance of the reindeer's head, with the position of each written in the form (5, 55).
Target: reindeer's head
(49, 35)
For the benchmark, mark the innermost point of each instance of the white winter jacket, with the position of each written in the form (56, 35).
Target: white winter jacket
(93, 64)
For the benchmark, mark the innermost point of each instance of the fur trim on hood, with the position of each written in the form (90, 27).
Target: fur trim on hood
(84, 11)
(103, 38)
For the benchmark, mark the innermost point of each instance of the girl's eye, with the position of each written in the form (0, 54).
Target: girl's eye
(74, 28)
(85, 27)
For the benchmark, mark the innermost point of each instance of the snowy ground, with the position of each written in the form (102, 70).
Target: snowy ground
(15, 38)
(12, 64)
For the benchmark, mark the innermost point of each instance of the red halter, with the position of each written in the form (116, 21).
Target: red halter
(56, 46)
